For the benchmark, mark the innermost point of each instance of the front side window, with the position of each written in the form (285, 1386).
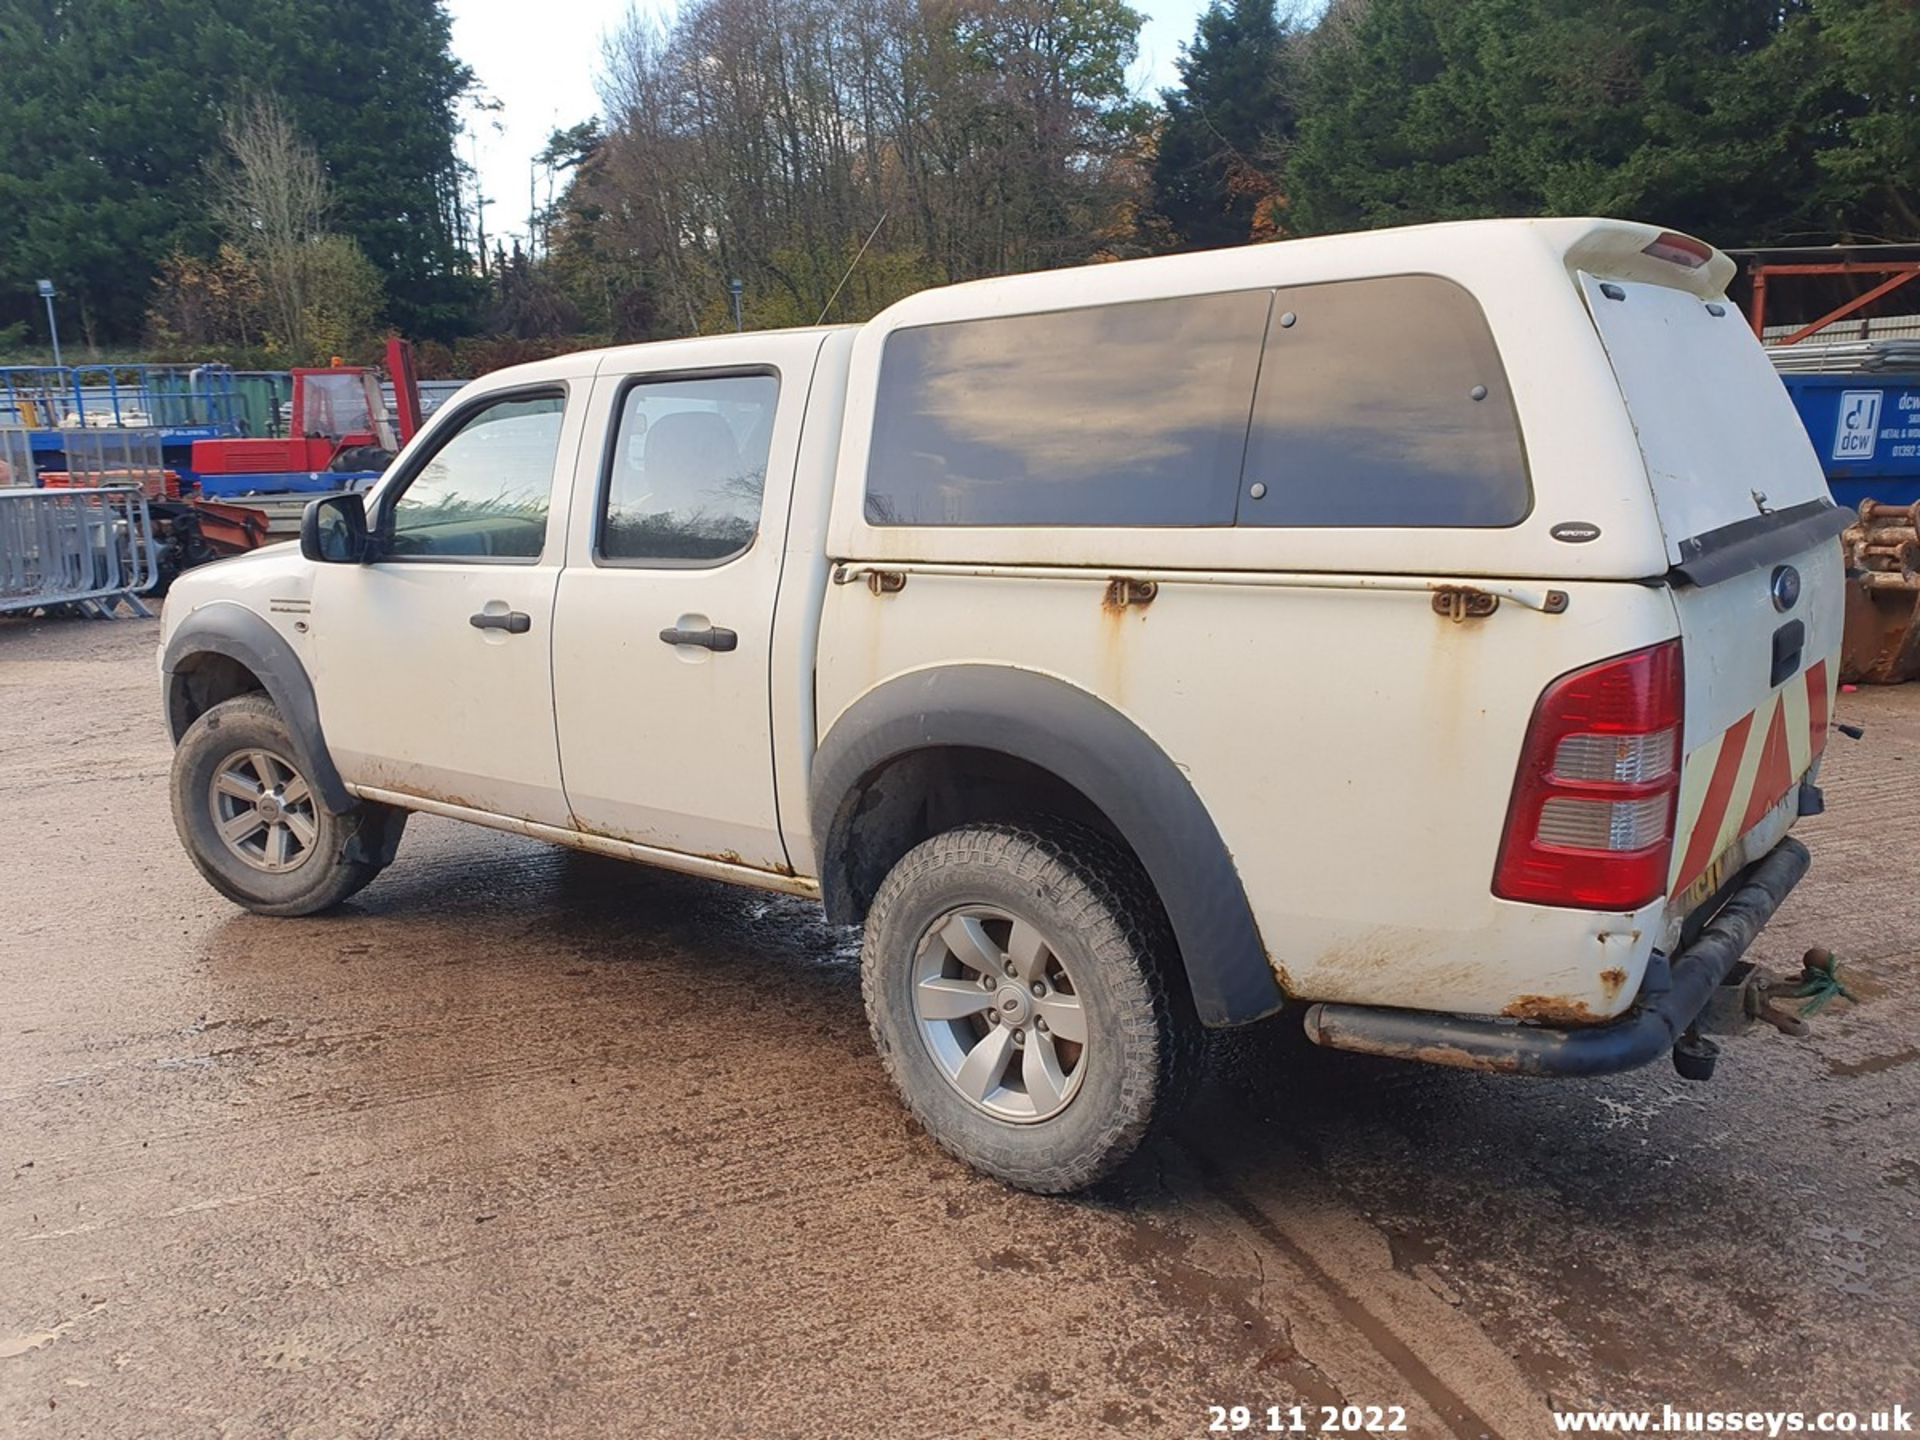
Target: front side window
(1130, 414)
(485, 492)
(1383, 402)
(689, 469)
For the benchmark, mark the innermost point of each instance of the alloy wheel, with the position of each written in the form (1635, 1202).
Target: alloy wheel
(263, 810)
(1000, 1013)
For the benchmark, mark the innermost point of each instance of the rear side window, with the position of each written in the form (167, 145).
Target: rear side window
(688, 471)
(1113, 415)
(1383, 402)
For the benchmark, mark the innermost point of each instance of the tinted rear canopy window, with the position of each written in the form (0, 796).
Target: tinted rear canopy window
(1383, 402)
(1380, 402)
(1129, 414)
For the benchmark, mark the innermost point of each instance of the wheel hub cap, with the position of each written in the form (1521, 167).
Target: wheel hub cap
(1014, 1006)
(999, 1013)
(263, 810)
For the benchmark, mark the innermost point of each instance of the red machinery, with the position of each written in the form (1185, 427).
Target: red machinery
(339, 424)
(339, 437)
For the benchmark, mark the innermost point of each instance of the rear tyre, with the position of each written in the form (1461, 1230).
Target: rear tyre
(255, 828)
(1019, 981)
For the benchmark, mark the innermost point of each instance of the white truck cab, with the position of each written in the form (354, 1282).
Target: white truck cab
(1430, 634)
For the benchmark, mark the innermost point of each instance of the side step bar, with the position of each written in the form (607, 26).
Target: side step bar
(1671, 999)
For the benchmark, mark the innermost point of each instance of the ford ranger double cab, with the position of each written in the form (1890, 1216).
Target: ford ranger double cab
(1428, 635)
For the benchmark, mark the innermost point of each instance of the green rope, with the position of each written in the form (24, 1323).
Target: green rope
(1817, 987)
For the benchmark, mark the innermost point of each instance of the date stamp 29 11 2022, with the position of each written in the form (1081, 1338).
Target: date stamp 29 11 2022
(1306, 1420)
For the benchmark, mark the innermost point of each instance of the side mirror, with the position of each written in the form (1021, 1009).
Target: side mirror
(333, 530)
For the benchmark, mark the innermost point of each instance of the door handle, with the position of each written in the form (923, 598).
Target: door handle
(1788, 643)
(714, 637)
(514, 622)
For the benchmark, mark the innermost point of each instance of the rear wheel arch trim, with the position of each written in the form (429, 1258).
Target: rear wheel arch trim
(1087, 744)
(237, 633)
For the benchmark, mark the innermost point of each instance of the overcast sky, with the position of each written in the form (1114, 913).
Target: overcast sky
(540, 63)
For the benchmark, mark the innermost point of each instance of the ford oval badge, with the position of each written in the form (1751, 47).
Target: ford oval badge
(1785, 588)
(1575, 532)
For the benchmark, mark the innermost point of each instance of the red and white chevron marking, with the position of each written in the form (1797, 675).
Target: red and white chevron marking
(1732, 781)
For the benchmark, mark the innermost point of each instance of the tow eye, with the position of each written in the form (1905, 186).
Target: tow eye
(1747, 995)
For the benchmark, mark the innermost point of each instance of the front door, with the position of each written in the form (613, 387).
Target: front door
(435, 659)
(664, 621)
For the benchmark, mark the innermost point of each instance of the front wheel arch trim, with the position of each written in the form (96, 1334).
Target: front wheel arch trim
(1097, 750)
(224, 628)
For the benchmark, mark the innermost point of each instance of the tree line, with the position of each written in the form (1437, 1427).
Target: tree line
(777, 141)
(114, 121)
(831, 156)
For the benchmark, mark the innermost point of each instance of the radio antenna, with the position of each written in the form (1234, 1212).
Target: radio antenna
(850, 268)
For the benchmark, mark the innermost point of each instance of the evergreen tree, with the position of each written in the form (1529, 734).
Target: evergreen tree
(1215, 166)
(1742, 121)
(111, 109)
(1871, 51)
(374, 86)
(100, 153)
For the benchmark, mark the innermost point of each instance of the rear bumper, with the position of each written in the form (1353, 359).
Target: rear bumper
(1671, 998)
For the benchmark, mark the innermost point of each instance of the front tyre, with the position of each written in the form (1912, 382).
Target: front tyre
(1019, 983)
(250, 819)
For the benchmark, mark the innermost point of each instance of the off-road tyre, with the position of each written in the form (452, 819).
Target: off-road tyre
(1097, 910)
(346, 850)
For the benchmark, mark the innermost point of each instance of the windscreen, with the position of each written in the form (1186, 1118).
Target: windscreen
(336, 404)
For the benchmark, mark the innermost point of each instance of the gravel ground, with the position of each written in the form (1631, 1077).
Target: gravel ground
(528, 1142)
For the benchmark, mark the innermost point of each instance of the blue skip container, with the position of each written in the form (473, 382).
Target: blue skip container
(1865, 428)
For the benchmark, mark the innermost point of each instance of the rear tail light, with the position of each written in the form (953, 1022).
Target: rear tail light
(1590, 825)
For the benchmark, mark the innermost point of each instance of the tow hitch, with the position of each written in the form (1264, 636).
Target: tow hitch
(1749, 995)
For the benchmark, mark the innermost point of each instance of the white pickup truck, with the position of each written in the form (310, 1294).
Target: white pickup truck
(1429, 634)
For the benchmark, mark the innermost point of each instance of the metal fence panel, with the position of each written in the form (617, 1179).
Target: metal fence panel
(16, 456)
(92, 548)
(107, 397)
(100, 458)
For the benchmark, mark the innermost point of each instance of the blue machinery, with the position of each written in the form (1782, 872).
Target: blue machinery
(184, 403)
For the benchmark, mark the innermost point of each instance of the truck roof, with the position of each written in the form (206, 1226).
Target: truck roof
(1618, 249)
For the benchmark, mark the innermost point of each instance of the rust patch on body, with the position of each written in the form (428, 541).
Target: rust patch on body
(1454, 1057)
(1460, 603)
(1613, 980)
(1121, 595)
(1426, 1053)
(1553, 1010)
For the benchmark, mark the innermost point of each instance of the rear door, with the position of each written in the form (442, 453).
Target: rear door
(1751, 542)
(663, 631)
